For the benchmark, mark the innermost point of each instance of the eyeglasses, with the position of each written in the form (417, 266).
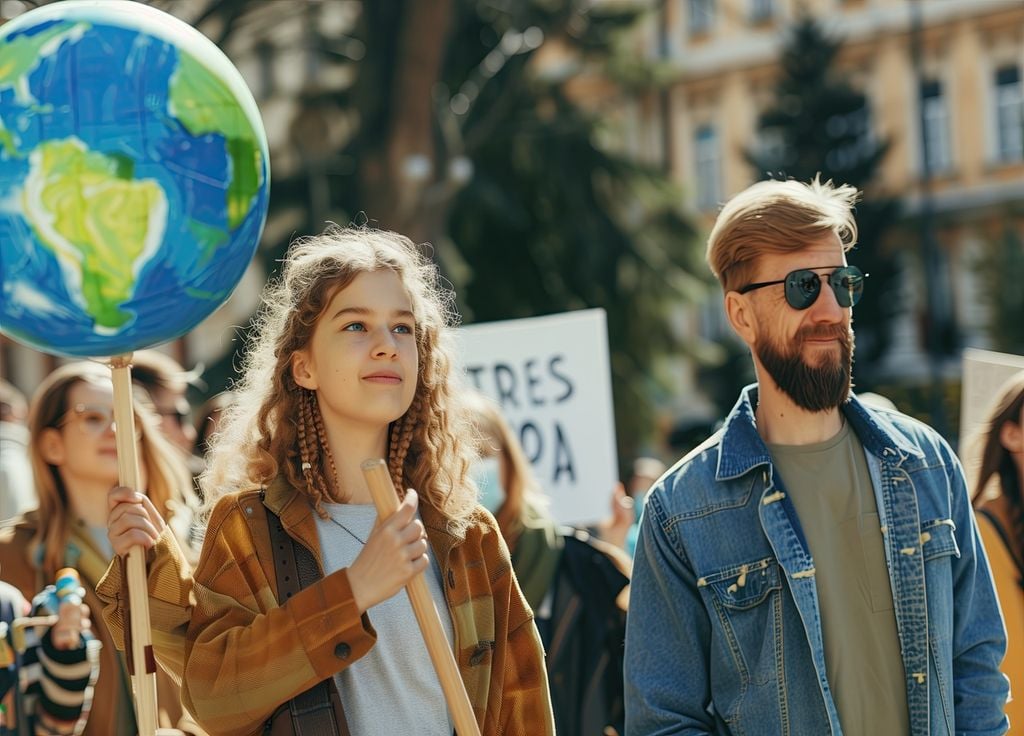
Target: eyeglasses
(93, 420)
(180, 417)
(804, 285)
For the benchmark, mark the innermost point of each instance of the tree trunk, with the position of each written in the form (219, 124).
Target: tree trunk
(393, 184)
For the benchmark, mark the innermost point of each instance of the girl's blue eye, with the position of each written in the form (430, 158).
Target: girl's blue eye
(355, 327)
(403, 329)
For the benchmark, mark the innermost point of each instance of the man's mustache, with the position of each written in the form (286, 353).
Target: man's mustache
(824, 332)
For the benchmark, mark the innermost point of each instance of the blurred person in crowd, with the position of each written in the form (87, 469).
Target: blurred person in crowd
(46, 681)
(814, 566)
(577, 585)
(17, 491)
(207, 425)
(351, 361)
(167, 382)
(622, 526)
(1000, 509)
(74, 461)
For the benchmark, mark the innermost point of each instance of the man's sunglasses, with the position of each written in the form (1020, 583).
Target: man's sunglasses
(804, 285)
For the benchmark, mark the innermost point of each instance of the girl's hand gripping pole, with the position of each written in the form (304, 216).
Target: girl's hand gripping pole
(386, 501)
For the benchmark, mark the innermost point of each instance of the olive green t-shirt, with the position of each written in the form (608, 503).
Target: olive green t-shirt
(830, 486)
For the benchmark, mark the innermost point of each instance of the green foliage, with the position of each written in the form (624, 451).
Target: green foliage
(554, 221)
(819, 123)
(1001, 275)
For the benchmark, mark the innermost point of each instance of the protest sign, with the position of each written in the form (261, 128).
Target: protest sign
(551, 377)
(984, 372)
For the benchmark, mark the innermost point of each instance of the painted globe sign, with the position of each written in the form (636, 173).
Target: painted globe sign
(134, 177)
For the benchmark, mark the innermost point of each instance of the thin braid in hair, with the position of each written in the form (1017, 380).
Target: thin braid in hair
(401, 439)
(395, 469)
(302, 432)
(330, 486)
(308, 453)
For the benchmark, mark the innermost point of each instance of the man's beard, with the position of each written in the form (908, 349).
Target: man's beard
(813, 388)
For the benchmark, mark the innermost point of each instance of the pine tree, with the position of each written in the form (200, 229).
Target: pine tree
(820, 124)
(1001, 272)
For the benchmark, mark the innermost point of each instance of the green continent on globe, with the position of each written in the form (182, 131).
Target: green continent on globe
(204, 104)
(21, 55)
(7, 141)
(101, 227)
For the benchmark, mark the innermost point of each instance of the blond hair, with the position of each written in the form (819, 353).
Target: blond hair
(167, 481)
(429, 447)
(777, 217)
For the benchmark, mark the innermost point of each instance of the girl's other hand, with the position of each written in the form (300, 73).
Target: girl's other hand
(395, 552)
(132, 520)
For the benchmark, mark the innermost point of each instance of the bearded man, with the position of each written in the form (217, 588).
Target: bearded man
(813, 567)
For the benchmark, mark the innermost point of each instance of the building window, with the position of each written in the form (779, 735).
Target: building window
(935, 148)
(702, 16)
(709, 168)
(761, 11)
(1009, 114)
(853, 139)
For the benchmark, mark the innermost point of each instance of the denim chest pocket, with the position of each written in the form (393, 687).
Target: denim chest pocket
(745, 603)
(938, 539)
(744, 586)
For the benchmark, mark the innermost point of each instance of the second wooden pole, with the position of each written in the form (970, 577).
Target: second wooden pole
(386, 500)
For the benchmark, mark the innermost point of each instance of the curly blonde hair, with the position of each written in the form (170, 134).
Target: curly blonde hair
(430, 446)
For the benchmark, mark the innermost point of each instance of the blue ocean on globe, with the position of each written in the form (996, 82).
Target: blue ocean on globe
(134, 178)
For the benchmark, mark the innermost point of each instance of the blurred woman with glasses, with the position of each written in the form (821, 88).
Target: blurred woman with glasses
(999, 504)
(74, 462)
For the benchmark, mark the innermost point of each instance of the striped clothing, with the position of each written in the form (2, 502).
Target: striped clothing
(112, 706)
(55, 685)
(243, 655)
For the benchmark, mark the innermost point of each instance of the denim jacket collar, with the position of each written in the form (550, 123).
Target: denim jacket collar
(743, 449)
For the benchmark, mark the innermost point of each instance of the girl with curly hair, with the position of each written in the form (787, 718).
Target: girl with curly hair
(294, 616)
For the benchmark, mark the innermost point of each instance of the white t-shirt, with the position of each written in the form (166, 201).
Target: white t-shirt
(393, 689)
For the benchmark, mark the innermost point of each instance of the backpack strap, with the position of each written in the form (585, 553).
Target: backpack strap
(318, 710)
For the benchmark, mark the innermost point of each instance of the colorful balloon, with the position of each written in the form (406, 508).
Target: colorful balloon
(134, 177)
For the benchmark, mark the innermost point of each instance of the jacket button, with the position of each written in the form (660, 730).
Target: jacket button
(342, 651)
(451, 578)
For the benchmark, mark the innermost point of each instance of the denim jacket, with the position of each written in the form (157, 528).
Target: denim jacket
(724, 633)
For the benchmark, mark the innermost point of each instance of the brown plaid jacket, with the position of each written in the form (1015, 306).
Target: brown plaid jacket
(243, 655)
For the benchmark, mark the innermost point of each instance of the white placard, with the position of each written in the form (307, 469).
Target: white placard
(984, 372)
(551, 377)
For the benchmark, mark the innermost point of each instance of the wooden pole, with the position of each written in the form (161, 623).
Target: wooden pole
(386, 500)
(142, 660)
